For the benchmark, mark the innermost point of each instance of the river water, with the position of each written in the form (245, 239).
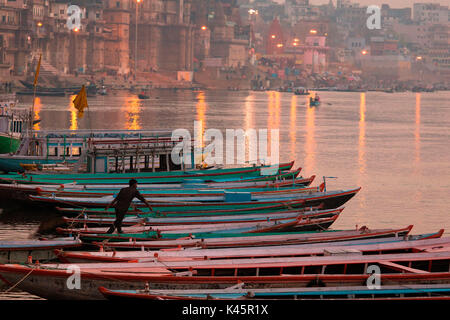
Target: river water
(394, 146)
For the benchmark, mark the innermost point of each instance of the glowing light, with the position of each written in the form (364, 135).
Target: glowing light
(204, 28)
(417, 130)
(362, 148)
(133, 108)
(37, 110)
(293, 126)
(313, 31)
(39, 24)
(280, 45)
(201, 109)
(310, 141)
(73, 114)
(362, 134)
(250, 143)
(364, 52)
(273, 36)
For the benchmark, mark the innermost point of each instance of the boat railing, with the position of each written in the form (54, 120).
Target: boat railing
(163, 141)
(98, 133)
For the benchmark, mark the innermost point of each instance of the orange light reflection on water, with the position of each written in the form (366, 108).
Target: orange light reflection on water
(201, 110)
(417, 166)
(73, 114)
(133, 108)
(310, 141)
(417, 131)
(37, 110)
(293, 126)
(362, 134)
(273, 121)
(249, 125)
(362, 153)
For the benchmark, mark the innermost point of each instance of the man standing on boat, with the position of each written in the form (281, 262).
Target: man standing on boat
(122, 202)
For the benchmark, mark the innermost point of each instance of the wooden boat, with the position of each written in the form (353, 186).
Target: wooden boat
(252, 240)
(173, 176)
(433, 291)
(95, 213)
(30, 85)
(301, 91)
(207, 231)
(329, 199)
(314, 103)
(42, 93)
(419, 243)
(50, 281)
(202, 219)
(168, 223)
(13, 191)
(186, 185)
(20, 251)
(435, 261)
(182, 193)
(143, 96)
(248, 176)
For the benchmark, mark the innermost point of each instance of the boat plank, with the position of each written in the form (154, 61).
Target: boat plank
(399, 267)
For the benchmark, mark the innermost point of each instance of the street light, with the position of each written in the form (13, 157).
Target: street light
(364, 52)
(39, 24)
(204, 28)
(313, 31)
(273, 36)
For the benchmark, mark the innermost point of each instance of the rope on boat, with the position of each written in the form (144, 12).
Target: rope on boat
(20, 281)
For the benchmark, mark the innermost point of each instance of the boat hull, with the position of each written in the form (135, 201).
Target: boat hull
(8, 144)
(52, 284)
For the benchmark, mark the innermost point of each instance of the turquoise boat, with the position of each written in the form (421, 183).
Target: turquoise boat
(211, 175)
(386, 292)
(228, 202)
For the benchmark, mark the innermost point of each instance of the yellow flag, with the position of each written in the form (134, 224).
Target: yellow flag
(80, 102)
(37, 71)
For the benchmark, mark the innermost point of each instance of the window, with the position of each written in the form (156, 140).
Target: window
(76, 151)
(53, 151)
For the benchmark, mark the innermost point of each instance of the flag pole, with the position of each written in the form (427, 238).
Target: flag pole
(38, 68)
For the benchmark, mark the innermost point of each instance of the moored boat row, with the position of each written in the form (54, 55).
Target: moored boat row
(233, 234)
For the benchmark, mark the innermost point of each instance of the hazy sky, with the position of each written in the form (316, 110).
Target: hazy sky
(392, 3)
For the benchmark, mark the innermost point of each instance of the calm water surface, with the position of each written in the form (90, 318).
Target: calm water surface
(395, 146)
